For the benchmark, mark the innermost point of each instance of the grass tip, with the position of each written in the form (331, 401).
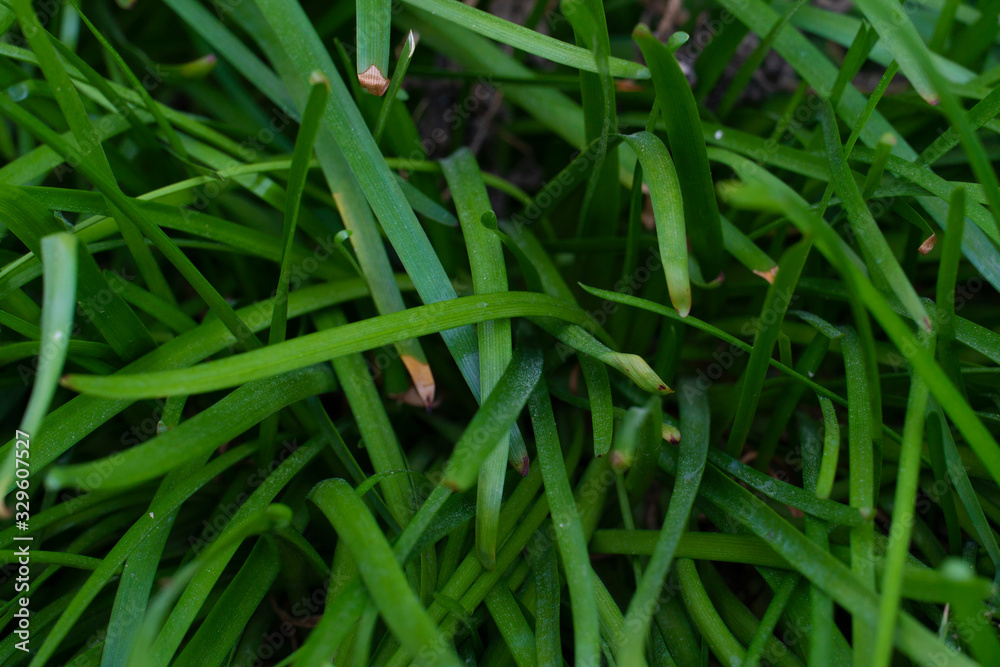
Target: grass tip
(524, 466)
(316, 77)
(928, 244)
(768, 275)
(619, 462)
(411, 41)
(374, 81)
(423, 379)
(670, 433)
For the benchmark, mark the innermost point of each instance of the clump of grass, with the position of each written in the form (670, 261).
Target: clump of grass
(550, 340)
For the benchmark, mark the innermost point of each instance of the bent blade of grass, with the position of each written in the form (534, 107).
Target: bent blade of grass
(493, 419)
(373, 31)
(726, 647)
(355, 337)
(701, 210)
(631, 366)
(568, 529)
(522, 38)
(80, 416)
(59, 255)
(382, 574)
(779, 296)
(669, 213)
(691, 464)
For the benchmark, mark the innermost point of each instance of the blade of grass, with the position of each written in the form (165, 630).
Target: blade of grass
(701, 210)
(59, 256)
(382, 575)
(85, 136)
(519, 37)
(207, 430)
(779, 296)
(497, 414)
(409, 47)
(373, 20)
(691, 464)
(568, 530)
(873, 244)
(489, 276)
(117, 323)
(669, 211)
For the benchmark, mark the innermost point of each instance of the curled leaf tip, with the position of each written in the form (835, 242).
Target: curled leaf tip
(374, 81)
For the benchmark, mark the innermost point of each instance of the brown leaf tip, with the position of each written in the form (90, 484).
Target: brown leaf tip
(769, 274)
(928, 244)
(374, 81)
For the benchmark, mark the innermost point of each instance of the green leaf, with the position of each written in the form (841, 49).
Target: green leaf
(701, 211)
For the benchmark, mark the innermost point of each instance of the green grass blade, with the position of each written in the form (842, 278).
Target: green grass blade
(691, 464)
(58, 307)
(701, 210)
(524, 39)
(779, 297)
(494, 419)
(669, 210)
(373, 17)
(382, 575)
(873, 244)
(568, 529)
(409, 47)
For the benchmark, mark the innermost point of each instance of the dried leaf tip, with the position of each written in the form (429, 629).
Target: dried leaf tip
(768, 275)
(928, 244)
(423, 379)
(373, 81)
